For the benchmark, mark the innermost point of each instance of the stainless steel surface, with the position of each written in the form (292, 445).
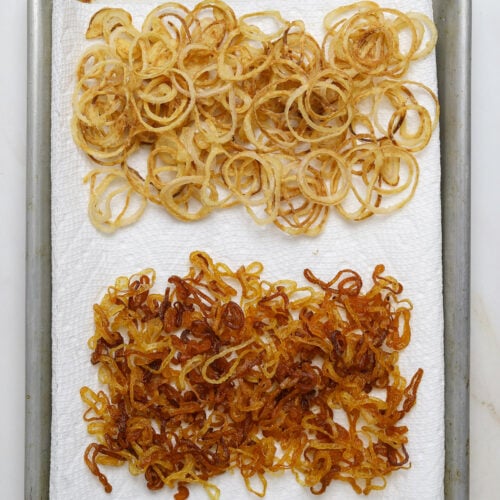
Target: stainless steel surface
(453, 19)
(38, 254)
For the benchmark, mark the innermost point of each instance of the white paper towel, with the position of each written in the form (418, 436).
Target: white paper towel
(85, 262)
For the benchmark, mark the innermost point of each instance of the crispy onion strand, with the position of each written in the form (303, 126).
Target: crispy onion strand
(201, 85)
(226, 370)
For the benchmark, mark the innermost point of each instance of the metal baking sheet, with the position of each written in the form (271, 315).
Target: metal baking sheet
(453, 20)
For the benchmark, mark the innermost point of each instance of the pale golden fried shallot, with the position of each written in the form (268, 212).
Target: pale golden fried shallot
(255, 97)
(226, 370)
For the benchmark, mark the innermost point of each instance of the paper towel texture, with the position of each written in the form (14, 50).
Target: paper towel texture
(85, 262)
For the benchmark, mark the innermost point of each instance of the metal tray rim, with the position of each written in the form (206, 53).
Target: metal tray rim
(38, 254)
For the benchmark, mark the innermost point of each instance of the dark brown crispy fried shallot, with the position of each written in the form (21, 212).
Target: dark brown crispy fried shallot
(226, 370)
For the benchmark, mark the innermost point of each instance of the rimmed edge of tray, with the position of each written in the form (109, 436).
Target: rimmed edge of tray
(453, 19)
(38, 254)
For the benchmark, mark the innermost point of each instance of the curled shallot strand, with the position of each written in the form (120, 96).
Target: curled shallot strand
(226, 370)
(233, 113)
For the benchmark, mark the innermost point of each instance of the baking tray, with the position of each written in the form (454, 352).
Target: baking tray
(453, 20)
